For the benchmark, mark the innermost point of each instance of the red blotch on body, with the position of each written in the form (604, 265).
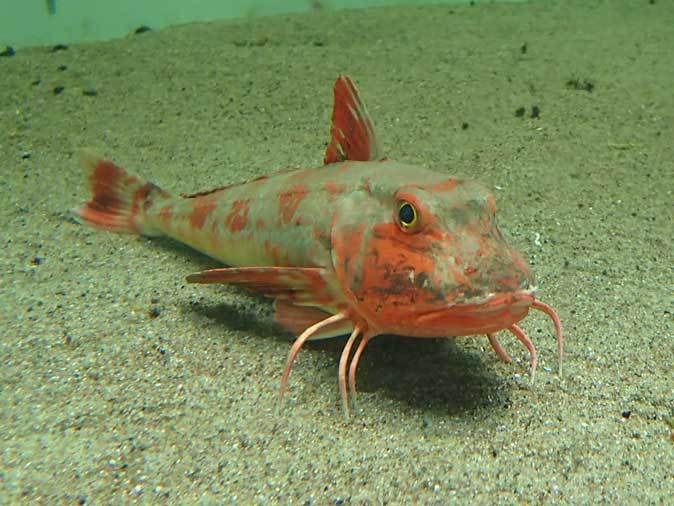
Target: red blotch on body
(214, 236)
(344, 166)
(320, 234)
(290, 200)
(334, 190)
(348, 248)
(237, 218)
(444, 186)
(202, 208)
(166, 214)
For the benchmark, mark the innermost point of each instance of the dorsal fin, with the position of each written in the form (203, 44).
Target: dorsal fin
(353, 136)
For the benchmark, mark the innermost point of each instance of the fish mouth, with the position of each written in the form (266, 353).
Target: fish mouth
(492, 298)
(482, 314)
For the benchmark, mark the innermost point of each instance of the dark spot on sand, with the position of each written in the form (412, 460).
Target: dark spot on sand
(580, 85)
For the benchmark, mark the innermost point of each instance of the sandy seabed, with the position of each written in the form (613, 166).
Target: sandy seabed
(120, 382)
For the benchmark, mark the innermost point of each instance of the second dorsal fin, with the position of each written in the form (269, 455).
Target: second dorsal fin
(352, 134)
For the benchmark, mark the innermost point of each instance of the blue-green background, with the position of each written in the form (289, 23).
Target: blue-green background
(30, 23)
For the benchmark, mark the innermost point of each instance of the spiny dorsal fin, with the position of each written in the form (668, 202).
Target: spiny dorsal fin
(353, 136)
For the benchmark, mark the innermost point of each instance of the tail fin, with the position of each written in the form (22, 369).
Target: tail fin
(120, 200)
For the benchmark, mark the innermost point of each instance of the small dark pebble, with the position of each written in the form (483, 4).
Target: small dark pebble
(142, 29)
(58, 90)
(627, 413)
(519, 112)
(260, 41)
(59, 47)
(464, 126)
(535, 112)
(9, 51)
(36, 260)
(577, 84)
(89, 92)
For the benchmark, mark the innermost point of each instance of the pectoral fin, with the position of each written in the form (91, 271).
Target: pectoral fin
(298, 285)
(296, 319)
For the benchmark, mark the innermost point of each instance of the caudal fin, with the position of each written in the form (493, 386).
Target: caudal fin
(119, 201)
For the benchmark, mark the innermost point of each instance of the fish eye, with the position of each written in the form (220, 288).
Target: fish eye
(407, 215)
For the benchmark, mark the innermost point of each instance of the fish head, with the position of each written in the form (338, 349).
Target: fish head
(428, 260)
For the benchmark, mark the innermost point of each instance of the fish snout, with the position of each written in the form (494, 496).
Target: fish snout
(502, 271)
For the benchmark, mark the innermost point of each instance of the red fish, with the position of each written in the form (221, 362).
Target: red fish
(362, 245)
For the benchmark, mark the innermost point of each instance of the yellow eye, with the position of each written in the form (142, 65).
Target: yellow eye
(407, 214)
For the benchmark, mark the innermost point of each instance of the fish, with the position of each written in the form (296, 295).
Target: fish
(361, 245)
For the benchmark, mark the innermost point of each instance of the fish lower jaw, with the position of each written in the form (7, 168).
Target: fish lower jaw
(483, 315)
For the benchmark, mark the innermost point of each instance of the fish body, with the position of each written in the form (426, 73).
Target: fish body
(361, 245)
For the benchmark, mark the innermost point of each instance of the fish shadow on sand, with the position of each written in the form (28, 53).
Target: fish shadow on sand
(235, 309)
(244, 312)
(432, 375)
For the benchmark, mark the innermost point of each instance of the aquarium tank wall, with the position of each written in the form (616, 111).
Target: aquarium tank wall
(41, 22)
